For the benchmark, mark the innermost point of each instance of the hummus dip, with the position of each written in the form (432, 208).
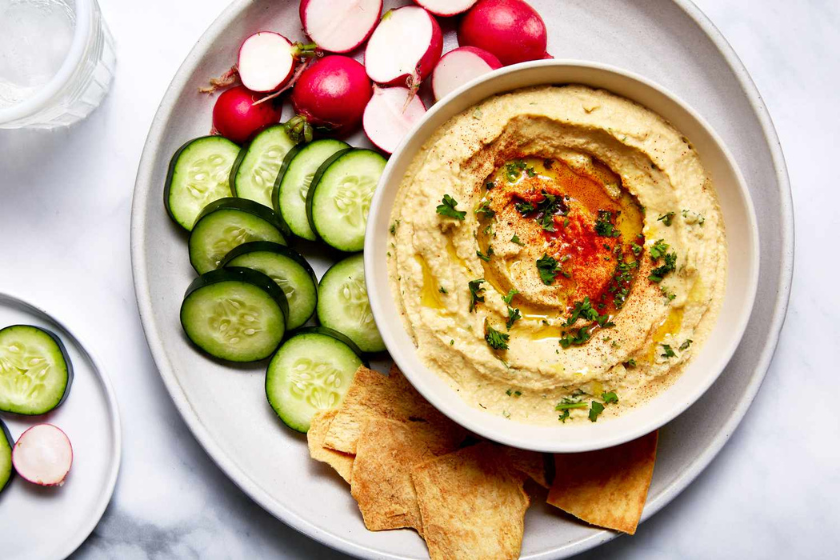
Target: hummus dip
(557, 254)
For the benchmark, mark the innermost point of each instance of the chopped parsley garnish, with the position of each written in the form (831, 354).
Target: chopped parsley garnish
(584, 309)
(595, 410)
(393, 228)
(666, 219)
(447, 208)
(667, 294)
(512, 393)
(489, 185)
(476, 293)
(564, 416)
(515, 239)
(659, 273)
(631, 363)
(482, 256)
(497, 340)
(604, 226)
(578, 339)
(545, 209)
(658, 250)
(547, 267)
(514, 169)
(442, 290)
(485, 211)
(530, 172)
(509, 297)
(636, 248)
(669, 352)
(513, 316)
(568, 404)
(524, 207)
(693, 217)
(686, 344)
(610, 397)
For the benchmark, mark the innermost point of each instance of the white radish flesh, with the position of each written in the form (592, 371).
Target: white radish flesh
(459, 66)
(339, 26)
(266, 61)
(388, 119)
(446, 8)
(404, 47)
(43, 455)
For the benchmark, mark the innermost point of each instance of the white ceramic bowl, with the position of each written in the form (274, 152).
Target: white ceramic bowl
(742, 276)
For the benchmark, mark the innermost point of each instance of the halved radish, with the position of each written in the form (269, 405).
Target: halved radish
(339, 26)
(43, 455)
(404, 47)
(510, 29)
(446, 8)
(459, 66)
(390, 114)
(267, 60)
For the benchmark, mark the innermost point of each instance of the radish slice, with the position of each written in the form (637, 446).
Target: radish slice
(388, 119)
(43, 455)
(446, 8)
(339, 26)
(267, 61)
(404, 47)
(459, 66)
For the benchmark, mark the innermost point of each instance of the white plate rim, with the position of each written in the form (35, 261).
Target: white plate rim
(247, 485)
(113, 412)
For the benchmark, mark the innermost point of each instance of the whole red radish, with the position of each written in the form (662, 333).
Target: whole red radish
(267, 60)
(404, 47)
(390, 114)
(459, 66)
(510, 29)
(237, 116)
(43, 455)
(339, 26)
(332, 94)
(446, 8)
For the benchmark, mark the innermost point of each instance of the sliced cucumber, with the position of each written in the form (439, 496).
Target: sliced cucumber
(198, 175)
(343, 304)
(226, 224)
(6, 445)
(288, 269)
(294, 179)
(235, 314)
(312, 371)
(339, 200)
(35, 371)
(256, 167)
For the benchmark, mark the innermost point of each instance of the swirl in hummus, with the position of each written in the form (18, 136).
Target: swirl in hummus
(557, 253)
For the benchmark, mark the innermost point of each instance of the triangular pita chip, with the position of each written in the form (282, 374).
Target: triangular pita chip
(341, 462)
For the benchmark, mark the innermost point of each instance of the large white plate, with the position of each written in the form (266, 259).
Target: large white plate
(51, 523)
(669, 42)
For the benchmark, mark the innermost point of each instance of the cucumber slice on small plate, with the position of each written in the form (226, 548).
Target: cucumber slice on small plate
(339, 200)
(6, 445)
(288, 269)
(294, 180)
(235, 314)
(35, 371)
(312, 371)
(343, 304)
(198, 174)
(255, 170)
(226, 224)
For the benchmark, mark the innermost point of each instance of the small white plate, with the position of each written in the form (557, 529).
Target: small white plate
(48, 523)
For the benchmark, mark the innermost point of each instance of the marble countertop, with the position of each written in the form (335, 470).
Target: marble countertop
(772, 490)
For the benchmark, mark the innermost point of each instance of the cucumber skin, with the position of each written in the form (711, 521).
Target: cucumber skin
(310, 196)
(5, 433)
(67, 363)
(236, 274)
(171, 171)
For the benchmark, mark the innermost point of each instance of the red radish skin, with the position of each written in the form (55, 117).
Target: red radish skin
(459, 66)
(339, 26)
(267, 60)
(332, 93)
(446, 8)
(43, 455)
(404, 47)
(389, 116)
(510, 29)
(237, 117)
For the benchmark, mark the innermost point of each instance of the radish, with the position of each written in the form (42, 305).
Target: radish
(331, 94)
(510, 29)
(339, 26)
(267, 60)
(404, 47)
(237, 114)
(459, 66)
(446, 8)
(389, 116)
(43, 455)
